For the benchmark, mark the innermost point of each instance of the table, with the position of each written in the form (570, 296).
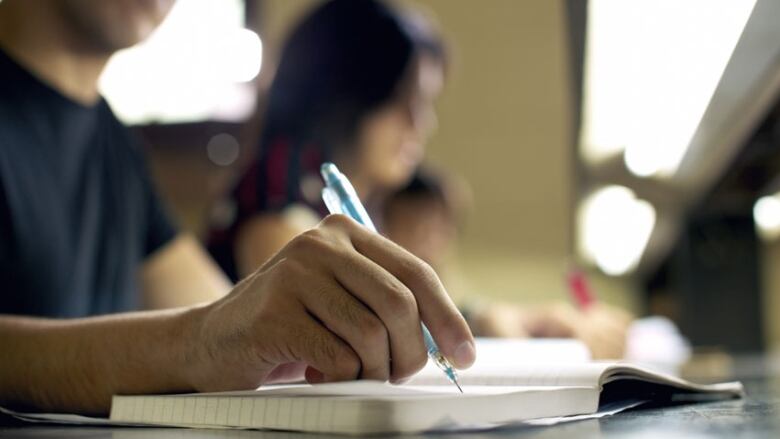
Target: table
(758, 416)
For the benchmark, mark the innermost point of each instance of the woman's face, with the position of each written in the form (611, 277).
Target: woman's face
(392, 139)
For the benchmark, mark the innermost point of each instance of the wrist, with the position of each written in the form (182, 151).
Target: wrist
(189, 359)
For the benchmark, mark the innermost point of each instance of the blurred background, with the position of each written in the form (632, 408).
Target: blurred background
(639, 140)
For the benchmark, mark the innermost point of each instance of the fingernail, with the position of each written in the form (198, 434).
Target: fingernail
(314, 376)
(465, 355)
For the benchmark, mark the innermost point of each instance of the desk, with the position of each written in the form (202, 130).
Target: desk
(756, 416)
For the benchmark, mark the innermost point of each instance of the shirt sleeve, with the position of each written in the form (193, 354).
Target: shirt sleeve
(160, 228)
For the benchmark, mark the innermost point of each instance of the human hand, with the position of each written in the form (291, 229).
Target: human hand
(601, 327)
(337, 303)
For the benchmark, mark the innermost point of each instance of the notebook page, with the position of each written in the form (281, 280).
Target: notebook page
(530, 350)
(530, 374)
(413, 409)
(347, 388)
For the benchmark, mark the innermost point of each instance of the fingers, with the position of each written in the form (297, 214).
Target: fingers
(354, 323)
(558, 321)
(308, 341)
(394, 305)
(362, 298)
(609, 327)
(375, 313)
(439, 313)
(603, 334)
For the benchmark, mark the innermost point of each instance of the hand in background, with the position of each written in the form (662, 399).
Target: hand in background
(601, 327)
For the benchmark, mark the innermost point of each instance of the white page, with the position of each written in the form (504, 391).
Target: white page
(530, 350)
(528, 374)
(339, 410)
(362, 389)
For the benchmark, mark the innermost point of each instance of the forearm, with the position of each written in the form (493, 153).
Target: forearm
(181, 274)
(77, 365)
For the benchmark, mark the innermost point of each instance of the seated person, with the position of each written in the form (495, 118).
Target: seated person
(425, 216)
(85, 243)
(355, 85)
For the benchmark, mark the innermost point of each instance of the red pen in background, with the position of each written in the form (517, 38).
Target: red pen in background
(581, 293)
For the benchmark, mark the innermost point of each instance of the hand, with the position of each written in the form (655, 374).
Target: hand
(601, 327)
(337, 303)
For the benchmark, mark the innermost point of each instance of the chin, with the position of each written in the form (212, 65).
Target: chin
(115, 25)
(133, 30)
(398, 178)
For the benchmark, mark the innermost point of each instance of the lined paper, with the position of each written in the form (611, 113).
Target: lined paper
(427, 402)
(410, 409)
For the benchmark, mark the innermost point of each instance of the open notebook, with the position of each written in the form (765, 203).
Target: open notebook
(495, 394)
(427, 403)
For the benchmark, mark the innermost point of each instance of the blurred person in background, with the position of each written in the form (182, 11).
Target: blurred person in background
(426, 217)
(84, 241)
(356, 85)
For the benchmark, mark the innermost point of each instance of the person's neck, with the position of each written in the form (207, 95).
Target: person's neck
(44, 45)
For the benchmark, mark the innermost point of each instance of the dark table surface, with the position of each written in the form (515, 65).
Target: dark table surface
(758, 415)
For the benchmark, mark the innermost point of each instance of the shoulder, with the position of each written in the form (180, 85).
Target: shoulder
(286, 223)
(300, 216)
(261, 236)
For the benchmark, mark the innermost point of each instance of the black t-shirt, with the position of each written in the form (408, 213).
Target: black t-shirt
(78, 213)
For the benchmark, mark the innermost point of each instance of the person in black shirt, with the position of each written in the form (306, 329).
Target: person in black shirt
(78, 211)
(83, 234)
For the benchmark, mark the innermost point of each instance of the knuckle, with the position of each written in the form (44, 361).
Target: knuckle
(421, 272)
(311, 241)
(306, 239)
(336, 221)
(401, 303)
(374, 333)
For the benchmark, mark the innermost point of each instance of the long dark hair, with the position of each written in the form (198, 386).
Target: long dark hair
(344, 60)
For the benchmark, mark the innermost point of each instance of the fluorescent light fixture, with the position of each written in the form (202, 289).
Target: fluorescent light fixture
(613, 229)
(196, 66)
(651, 68)
(766, 214)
